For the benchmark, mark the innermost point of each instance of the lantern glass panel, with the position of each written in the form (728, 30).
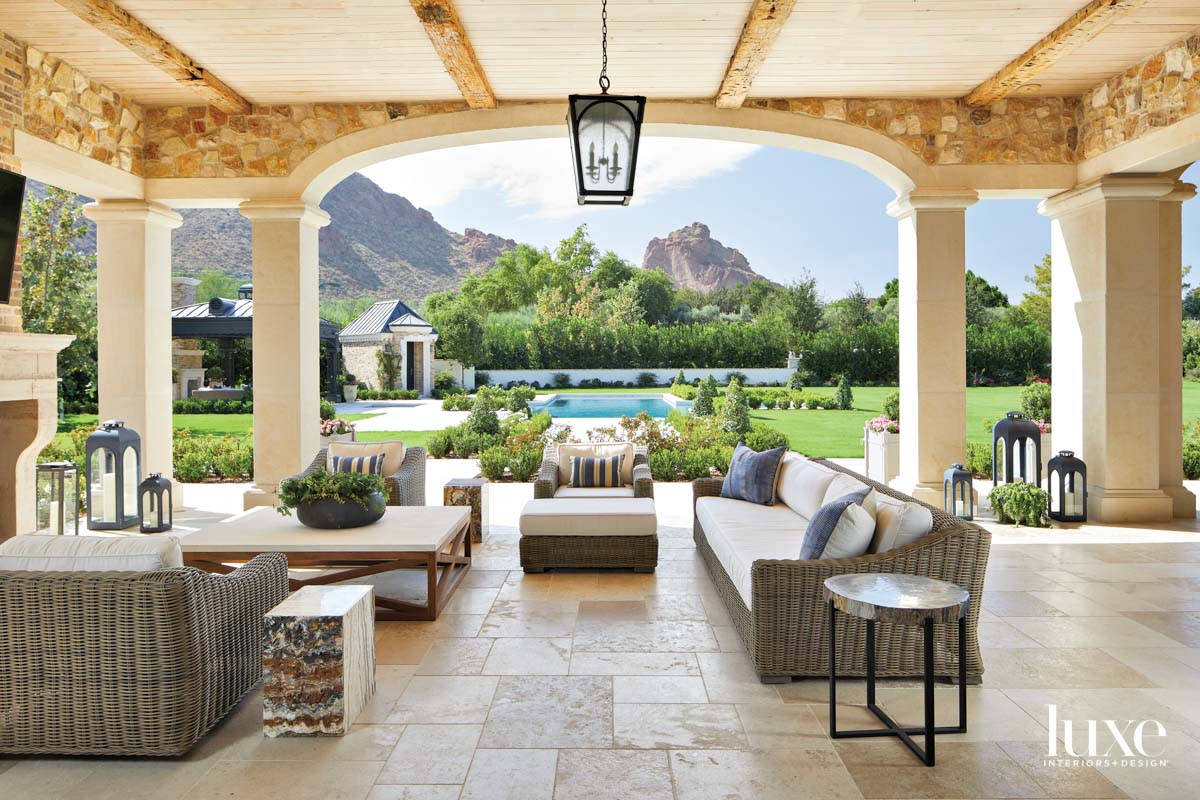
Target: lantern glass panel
(604, 141)
(57, 498)
(131, 478)
(103, 473)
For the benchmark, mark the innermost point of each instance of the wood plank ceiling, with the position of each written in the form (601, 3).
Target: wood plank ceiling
(279, 51)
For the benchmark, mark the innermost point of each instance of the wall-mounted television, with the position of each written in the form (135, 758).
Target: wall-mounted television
(12, 196)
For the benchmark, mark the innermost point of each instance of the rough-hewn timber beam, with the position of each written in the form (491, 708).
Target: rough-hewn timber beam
(445, 31)
(114, 21)
(762, 28)
(1081, 27)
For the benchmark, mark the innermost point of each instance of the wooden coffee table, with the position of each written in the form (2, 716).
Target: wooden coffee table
(433, 538)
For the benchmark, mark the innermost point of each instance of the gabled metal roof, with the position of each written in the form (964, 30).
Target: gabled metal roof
(380, 318)
(222, 318)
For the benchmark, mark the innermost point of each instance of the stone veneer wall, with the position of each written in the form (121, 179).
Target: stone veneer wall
(1018, 130)
(205, 142)
(12, 79)
(1158, 92)
(360, 362)
(64, 106)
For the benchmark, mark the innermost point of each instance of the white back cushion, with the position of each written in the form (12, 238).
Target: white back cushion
(898, 523)
(802, 484)
(565, 451)
(90, 553)
(852, 535)
(842, 485)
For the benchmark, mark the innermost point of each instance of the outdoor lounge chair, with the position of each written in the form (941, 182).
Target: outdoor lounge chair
(405, 487)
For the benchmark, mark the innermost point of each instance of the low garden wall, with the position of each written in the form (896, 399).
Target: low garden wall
(663, 377)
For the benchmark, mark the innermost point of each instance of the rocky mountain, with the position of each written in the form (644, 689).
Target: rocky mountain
(695, 260)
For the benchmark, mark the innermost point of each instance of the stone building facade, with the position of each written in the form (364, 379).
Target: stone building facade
(12, 71)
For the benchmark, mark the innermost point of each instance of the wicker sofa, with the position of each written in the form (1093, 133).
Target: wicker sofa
(405, 487)
(128, 663)
(784, 626)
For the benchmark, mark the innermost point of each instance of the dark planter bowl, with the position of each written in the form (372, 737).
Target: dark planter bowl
(333, 514)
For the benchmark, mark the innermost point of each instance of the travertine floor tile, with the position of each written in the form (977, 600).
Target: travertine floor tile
(511, 775)
(1162, 666)
(1018, 604)
(383, 792)
(730, 678)
(761, 775)
(1178, 628)
(657, 726)
(390, 682)
(528, 623)
(612, 775)
(1000, 634)
(438, 700)
(634, 664)
(437, 754)
(1074, 604)
(1098, 631)
(684, 636)
(362, 743)
(1057, 780)
(472, 600)
(550, 712)
(885, 768)
(781, 727)
(455, 657)
(529, 657)
(287, 780)
(658, 689)
(1058, 667)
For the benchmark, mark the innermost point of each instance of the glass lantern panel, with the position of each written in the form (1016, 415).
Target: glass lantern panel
(1072, 499)
(47, 502)
(606, 131)
(104, 486)
(132, 477)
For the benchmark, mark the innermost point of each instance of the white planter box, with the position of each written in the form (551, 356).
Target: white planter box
(881, 452)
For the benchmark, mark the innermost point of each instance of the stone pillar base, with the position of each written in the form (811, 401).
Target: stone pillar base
(930, 493)
(259, 496)
(1129, 505)
(1183, 501)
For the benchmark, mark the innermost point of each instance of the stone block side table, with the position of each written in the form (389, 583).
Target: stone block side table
(468, 492)
(899, 600)
(318, 660)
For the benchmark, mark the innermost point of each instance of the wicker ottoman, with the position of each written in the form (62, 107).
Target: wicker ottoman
(590, 533)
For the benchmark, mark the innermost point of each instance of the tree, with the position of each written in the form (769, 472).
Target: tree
(981, 298)
(611, 271)
(460, 333)
(735, 415)
(655, 294)
(797, 307)
(891, 292)
(217, 283)
(845, 395)
(851, 312)
(1036, 303)
(60, 287)
(703, 404)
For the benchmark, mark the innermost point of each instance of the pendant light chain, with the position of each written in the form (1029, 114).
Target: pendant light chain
(604, 82)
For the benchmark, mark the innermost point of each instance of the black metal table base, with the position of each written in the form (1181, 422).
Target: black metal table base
(928, 730)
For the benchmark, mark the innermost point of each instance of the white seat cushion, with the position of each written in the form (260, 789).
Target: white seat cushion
(602, 491)
(802, 484)
(565, 451)
(741, 533)
(35, 553)
(590, 516)
(898, 523)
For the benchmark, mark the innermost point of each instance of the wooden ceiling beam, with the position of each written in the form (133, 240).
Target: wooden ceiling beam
(762, 28)
(117, 23)
(449, 39)
(1082, 26)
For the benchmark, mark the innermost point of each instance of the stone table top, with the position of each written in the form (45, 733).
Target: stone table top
(322, 601)
(902, 599)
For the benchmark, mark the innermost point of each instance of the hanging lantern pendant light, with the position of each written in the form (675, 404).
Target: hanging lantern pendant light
(605, 130)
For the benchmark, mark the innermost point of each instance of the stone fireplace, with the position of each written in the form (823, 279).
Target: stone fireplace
(28, 420)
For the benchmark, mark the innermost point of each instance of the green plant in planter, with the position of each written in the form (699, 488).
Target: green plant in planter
(891, 406)
(1021, 504)
(341, 487)
(493, 461)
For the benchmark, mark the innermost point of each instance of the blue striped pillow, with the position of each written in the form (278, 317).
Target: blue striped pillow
(591, 473)
(752, 475)
(369, 465)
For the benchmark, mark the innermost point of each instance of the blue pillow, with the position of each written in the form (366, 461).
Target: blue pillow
(824, 522)
(752, 475)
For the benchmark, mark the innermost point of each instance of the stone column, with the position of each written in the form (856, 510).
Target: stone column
(1111, 402)
(933, 338)
(1170, 351)
(287, 370)
(427, 367)
(133, 322)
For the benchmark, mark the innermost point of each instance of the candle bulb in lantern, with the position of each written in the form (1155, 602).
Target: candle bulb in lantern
(108, 485)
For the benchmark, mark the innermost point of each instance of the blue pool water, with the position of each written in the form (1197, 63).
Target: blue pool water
(600, 405)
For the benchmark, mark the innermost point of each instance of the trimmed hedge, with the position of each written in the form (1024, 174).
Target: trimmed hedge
(190, 405)
(388, 394)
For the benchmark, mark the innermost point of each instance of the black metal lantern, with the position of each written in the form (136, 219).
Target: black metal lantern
(958, 492)
(1022, 440)
(605, 131)
(114, 470)
(57, 506)
(1067, 476)
(154, 504)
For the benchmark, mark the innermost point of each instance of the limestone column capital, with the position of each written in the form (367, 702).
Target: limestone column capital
(304, 213)
(1181, 193)
(133, 211)
(920, 199)
(1112, 187)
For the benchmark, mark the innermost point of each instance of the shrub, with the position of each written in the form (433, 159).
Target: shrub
(483, 419)
(214, 374)
(233, 459)
(1020, 503)
(444, 383)
(735, 375)
(1035, 401)
(525, 463)
(754, 400)
(707, 393)
(796, 381)
(735, 415)
(344, 487)
(450, 401)
(439, 444)
(482, 378)
(666, 465)
(190, 405)
(328, 411)
(647, 379)
(680, 380)
(493, 461)
(763, 437)
(517, 398)
(845, 395)
(191, 467)
(979, 459)
(891, 406)
(561, 380)
(684, 390)
(387, 365)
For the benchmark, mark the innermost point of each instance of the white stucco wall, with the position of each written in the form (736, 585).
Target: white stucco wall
(545, 377)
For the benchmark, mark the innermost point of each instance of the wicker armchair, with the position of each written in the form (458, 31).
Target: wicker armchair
(546, 483)
(406, 487)
(129, 663)
(785, 629)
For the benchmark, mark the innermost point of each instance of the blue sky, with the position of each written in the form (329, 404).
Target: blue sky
(784, 209)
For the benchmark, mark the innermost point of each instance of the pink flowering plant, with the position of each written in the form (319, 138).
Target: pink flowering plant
(883, 424)
(333, 427)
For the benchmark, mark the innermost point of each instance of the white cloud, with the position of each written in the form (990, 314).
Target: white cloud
(535, 175)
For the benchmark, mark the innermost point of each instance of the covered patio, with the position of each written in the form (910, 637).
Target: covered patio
(606, 685)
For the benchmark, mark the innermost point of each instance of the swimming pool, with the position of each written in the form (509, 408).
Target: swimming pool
(607, 405)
